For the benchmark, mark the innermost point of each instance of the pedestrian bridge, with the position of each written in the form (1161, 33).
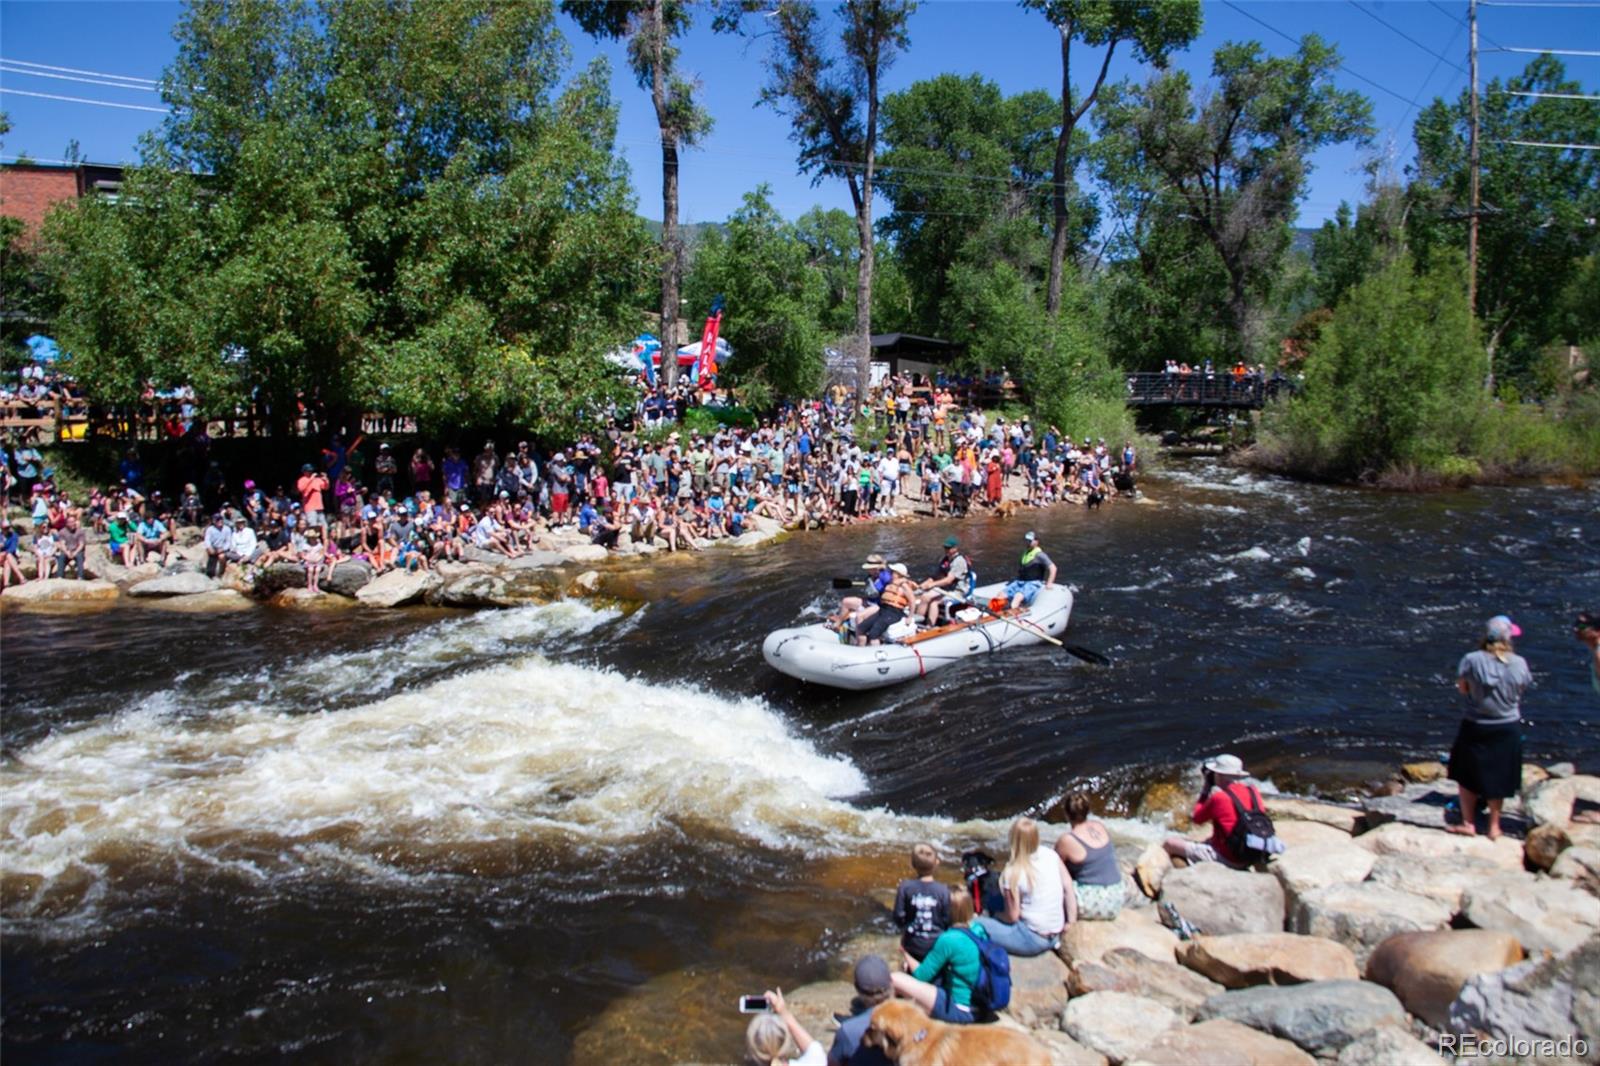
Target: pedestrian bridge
(1199, 389)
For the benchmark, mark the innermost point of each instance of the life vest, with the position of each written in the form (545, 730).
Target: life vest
(893, 596)
(1033, 568)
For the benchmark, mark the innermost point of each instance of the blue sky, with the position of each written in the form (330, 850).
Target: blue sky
(1015, 48)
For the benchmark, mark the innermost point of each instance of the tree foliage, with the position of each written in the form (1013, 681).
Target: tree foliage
(1539, 204)
(1235, 158)
(391, 204)
(774, 297)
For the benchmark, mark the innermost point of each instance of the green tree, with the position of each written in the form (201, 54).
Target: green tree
(1235, 159)
(960, 157)
(762, 268)
(649, 27)
(375, 204)
(1391, 380)
(1538, 204)
(1349, 246)
(1154, 28)
(832, 103)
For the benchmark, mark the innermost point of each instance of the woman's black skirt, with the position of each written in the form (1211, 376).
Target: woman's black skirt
(1487, 759)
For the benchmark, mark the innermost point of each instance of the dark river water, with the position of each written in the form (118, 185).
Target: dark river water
(564, 832)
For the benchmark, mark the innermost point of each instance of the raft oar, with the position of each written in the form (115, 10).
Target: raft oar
(848, 582)
(1078, 650)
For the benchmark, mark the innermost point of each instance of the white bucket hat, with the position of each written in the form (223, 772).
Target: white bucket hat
(1226, 764)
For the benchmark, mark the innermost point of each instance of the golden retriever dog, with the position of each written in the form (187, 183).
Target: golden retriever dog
(1006, 509)
(911, 1038)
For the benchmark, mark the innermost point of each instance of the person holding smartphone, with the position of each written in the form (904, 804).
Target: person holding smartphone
(769, 1031)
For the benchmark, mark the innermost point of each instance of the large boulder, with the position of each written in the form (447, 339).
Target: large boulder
(1217, 1041)
(1443, 879)
(1401, 839)
(1422, 772)
(220, 600)
(1116, 1024)
(348, 578)
(533, 560)
(277, 577)
(1288, 808)
(1321, 1017)
(1151, 868)
(1135, 929)
(1305, 836)
(1388, 1045)
(1362, 916)
(398, 588)
(59, 592)
(304, 599)
(1304, 869)
(1427, 970)
(1581, 866)
(175, 585)
(1246, 959)
(585, 553)
(1038, 988)
(1065, 1051)
(1545, 914)
(475, 590)
(1126, 970)
(1544, 845)
(815, 1005)
(1551, 802)
(1541, 999)
(1219, 900)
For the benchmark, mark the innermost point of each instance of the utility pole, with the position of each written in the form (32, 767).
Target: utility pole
(1472, 157)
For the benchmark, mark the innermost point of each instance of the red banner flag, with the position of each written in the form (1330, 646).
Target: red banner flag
(708, 347)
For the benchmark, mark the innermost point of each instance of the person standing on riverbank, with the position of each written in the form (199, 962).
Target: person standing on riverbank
(1486, 758)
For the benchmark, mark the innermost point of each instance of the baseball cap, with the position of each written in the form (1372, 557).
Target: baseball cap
(306, 468)
(1030, 536)
(1501, 628)
(899, 568)
(872, 975)
(951, 542)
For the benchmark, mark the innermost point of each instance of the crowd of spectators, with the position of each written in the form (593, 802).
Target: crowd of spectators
(648, 474)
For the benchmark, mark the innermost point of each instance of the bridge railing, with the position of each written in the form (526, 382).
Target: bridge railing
(1198, 389)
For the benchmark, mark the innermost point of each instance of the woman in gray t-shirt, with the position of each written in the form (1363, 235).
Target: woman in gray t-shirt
(1486, 759)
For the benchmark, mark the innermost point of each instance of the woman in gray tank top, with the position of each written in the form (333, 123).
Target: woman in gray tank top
(1091, 859)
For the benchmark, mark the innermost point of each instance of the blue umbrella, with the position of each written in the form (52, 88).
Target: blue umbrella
(43, 349)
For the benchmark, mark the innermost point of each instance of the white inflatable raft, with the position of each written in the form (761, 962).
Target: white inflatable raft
(813, 653)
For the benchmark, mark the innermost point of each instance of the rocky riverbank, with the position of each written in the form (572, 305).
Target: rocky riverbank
(560, 564)
(1377, 938)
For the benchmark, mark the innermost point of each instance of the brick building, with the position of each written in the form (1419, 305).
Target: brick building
(29, 190)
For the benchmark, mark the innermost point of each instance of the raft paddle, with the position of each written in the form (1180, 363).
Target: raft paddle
(1086, 654)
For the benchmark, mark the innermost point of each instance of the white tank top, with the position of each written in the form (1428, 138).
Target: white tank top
(1043, 906)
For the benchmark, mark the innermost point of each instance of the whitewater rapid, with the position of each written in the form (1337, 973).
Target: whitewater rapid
(490, 769)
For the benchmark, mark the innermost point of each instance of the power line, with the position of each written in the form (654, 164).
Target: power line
(1376, 18)
(1539, 3)
(1550, 51)
(83, 100)
(1549, 144)
(1546, 96)
(75, 70)
(1447, 13)
(1295, 41)
(74, 77)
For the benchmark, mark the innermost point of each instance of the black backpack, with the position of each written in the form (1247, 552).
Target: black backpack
(977, 870)
(1253, 839)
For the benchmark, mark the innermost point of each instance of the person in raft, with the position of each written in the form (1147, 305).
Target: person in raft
(1091, 859)
(1035, 572)
(855, 610)
(1486, 758)
(1039, 897)
(942, 983)
(1224, 775)
(894, 603)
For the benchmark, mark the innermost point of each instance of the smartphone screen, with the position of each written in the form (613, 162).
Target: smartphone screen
(752, 1004)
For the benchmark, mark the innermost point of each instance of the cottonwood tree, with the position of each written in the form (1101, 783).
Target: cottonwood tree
(831, 99)
(1153, 29)
(649, 27)
(1233, 157)
(391, 205)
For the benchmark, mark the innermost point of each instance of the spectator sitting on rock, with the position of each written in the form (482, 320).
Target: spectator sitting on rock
(71, 545)
(921, 905)
(873, 987)
(1224, 775)
(150, 537)
(246, 547)
(1040, 900)
(1091, 859)
(313, 554)
(218, 542)
(942, 983)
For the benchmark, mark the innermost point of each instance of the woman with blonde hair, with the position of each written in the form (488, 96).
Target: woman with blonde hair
(1486, 758)
(1039, 898)
(768, 1034)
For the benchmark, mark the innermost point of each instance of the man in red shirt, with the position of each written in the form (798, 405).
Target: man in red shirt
(1224, 775)
(312, 485)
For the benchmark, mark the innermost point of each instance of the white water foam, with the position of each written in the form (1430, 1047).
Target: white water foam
(478, 770)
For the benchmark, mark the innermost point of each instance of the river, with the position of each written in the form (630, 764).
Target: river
(569, 832)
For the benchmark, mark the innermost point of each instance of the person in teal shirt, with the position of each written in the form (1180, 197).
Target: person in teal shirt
(942, 983)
